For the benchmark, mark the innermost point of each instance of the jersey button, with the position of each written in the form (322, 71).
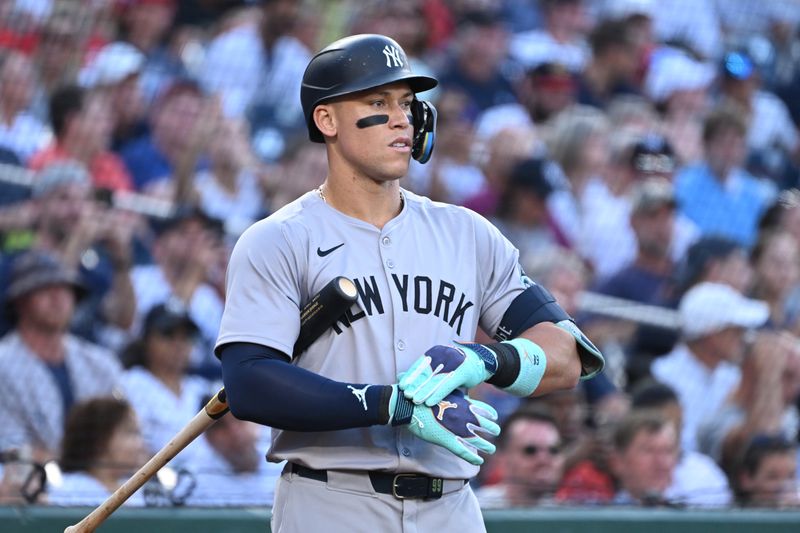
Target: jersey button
(386, 241)
(401, 345)
(406, 452)
(390, 263)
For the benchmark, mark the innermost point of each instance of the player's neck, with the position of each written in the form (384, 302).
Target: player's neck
(374, 203)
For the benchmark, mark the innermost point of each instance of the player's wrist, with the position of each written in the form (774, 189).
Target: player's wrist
(484, 356)
(395, 409)
(521, 364)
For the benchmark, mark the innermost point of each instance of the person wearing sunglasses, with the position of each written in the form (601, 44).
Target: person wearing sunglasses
(529, 461)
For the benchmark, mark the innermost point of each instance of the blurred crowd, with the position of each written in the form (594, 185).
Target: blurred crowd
(643, 155)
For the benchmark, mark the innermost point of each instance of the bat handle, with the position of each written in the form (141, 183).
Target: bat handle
(213, 410)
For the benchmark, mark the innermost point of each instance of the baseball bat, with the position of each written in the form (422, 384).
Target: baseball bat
(315, 318)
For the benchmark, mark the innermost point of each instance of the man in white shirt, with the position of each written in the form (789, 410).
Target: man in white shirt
(703, 369)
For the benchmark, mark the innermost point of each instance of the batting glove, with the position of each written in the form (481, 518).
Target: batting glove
(455, 423)
(444, 369)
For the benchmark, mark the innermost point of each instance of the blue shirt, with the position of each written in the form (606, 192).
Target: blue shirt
(731, 208)
(146, 163)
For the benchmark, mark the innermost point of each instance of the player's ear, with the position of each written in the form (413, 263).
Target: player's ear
(325, 120)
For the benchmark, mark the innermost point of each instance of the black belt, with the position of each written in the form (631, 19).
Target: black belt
(401, 486)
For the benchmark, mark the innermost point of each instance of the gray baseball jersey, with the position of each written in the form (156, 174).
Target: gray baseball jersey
(430, 276)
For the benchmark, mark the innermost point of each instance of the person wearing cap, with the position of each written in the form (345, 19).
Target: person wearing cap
(704, 367)
(771, 134)
(44, 369)
(678, 85)
(717, 193)
(82, 123)
(765, 400)
(155, 380)
(20, 131)
(116, 70)
(85, 234)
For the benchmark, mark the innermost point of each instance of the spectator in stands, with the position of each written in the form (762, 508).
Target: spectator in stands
(145, 25)
(102, 447)
(578, 140)
(263, 83)
(531, 461)
(776, 263)
(230, 189)
(232, 470)
(613, 67)
(764, 401)
(588, 478)
(772, 136)
(85, 234)
(718, 194)
(65, 369)
(475, 68)
(57, 57)
(155, 380)
(644, 458)
(504, 150)
(561, 39)
(717, 260)
(543, 92)
(678, 84)
(607, 240)
(453, 174)
(636, 114)
(186, 253)
(697, 480)
(522, 214)
(647, 279)
(116, 70)
(703, 368)
(766, 474)
(82, 124)
(181, 123)
(20, 131)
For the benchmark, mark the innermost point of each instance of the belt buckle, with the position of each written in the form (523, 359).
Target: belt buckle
(394, 485)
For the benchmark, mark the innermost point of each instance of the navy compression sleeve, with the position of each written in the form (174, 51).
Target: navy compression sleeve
(263, 387)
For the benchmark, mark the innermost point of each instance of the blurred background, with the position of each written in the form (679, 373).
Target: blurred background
(643, 156)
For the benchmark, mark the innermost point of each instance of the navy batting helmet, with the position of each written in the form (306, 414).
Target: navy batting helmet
(354, 64)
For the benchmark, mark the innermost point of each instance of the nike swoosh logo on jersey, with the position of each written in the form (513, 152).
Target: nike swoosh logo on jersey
(323, 253)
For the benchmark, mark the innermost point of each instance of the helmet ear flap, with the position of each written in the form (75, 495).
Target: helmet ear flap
(424, 121)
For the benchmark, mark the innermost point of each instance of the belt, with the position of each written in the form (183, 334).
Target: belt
(401, 486)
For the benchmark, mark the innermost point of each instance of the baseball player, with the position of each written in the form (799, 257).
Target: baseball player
(365, 452)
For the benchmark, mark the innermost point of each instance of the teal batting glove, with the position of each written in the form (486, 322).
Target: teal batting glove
(444, 369)
(456, 423)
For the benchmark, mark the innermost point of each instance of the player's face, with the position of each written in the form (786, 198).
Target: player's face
(374, 131)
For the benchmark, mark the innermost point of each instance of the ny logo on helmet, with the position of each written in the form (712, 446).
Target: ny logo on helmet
(392, 56)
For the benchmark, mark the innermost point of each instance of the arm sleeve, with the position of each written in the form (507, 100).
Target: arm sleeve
(263, 387)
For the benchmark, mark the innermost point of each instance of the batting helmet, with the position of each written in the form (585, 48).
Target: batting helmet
(354, 64)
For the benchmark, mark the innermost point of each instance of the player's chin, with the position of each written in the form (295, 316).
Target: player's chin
(394, 168)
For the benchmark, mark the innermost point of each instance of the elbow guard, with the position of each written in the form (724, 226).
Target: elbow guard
(536, 305)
